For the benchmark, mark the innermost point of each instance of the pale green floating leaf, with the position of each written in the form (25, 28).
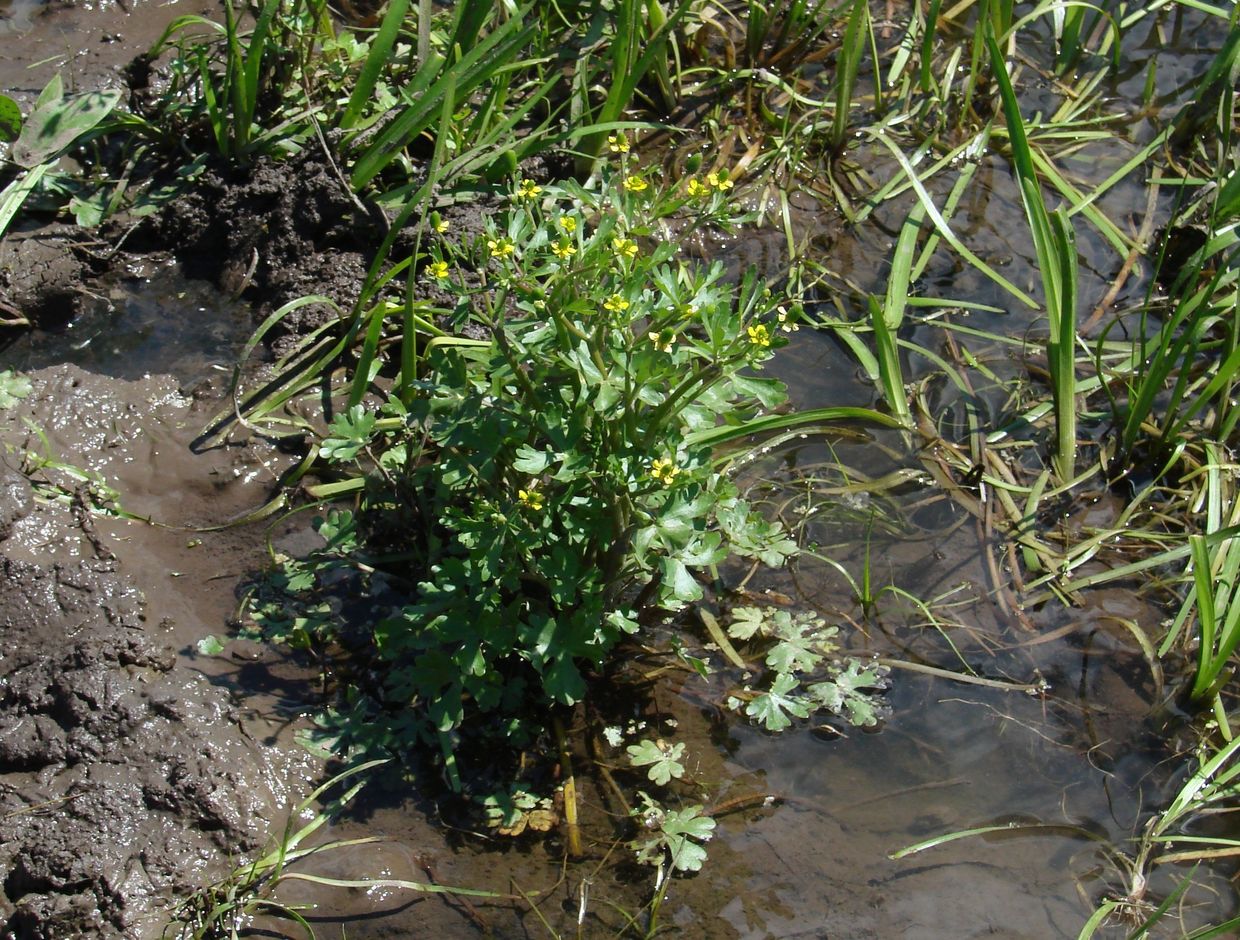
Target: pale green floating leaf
(13, 388)
(210, 645)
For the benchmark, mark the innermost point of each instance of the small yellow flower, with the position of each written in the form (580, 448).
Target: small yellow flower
(624, 248)
(528, 190)
(564, 249)
(531, 499)
(616, 304)
(696, 189)
(439, 269)
(618, 143)
(635, 184)
(664, 470)
(663, 340)
(719, 181)
(687, 311)
(441, 225)
(567, 223)
(499, 247)
(759, 335)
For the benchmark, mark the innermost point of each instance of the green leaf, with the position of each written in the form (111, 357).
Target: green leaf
(773, 708)
(10, 119)
(88, 211)
(13, 387)
(845, 693)
(351, 432)
(210, 645)
(530, 461)
(661, 760)
(678, 583)
(683, 829)
(770, 393)
(746, 622)
(56, 124)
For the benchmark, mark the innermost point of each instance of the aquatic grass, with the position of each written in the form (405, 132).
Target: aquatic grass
(423, 97)
(1055, 246)
(266, 63)
(778, 33)
(852, 50)
(632, 52)
(1186, 366)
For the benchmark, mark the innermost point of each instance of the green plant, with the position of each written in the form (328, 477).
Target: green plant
(557, 477)
(641, 34)
(676, 836)
(852, 51)
(263, 65)
(800, 647)
(1055, 246)
(54, 124)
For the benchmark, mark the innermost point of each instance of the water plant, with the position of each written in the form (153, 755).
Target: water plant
(560, 470)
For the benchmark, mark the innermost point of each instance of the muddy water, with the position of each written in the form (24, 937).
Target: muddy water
(1087, 760)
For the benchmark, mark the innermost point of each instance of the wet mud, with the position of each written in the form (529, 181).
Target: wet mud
(130, 772)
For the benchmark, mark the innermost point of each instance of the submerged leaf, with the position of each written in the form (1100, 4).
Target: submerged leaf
(773, 708)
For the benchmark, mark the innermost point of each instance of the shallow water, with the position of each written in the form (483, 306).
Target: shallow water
(154, 322)
(1086, 759)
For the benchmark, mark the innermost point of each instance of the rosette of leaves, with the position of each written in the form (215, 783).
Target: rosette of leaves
(676, 835)
(547, 478)
(808, 673)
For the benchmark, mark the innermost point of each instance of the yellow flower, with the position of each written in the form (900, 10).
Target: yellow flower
(664, 470)
(624, 248)
(528, 189)
(759, 335)
(635, 184)
(567, 223)
(564, 249)
(696, 189)
(663, 340)
(499, 247)
(719, 180)
(618, 143)
(687, 311)
(531, 499)
(616, 304)
(439, 269)
(440, 225)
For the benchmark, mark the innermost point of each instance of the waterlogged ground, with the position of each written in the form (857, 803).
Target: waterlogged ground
(113, 723)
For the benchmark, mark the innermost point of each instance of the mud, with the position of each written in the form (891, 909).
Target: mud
(41, 276)
(275, 231)
(129, 772)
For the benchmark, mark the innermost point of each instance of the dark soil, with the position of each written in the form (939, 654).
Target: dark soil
(274, 232)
